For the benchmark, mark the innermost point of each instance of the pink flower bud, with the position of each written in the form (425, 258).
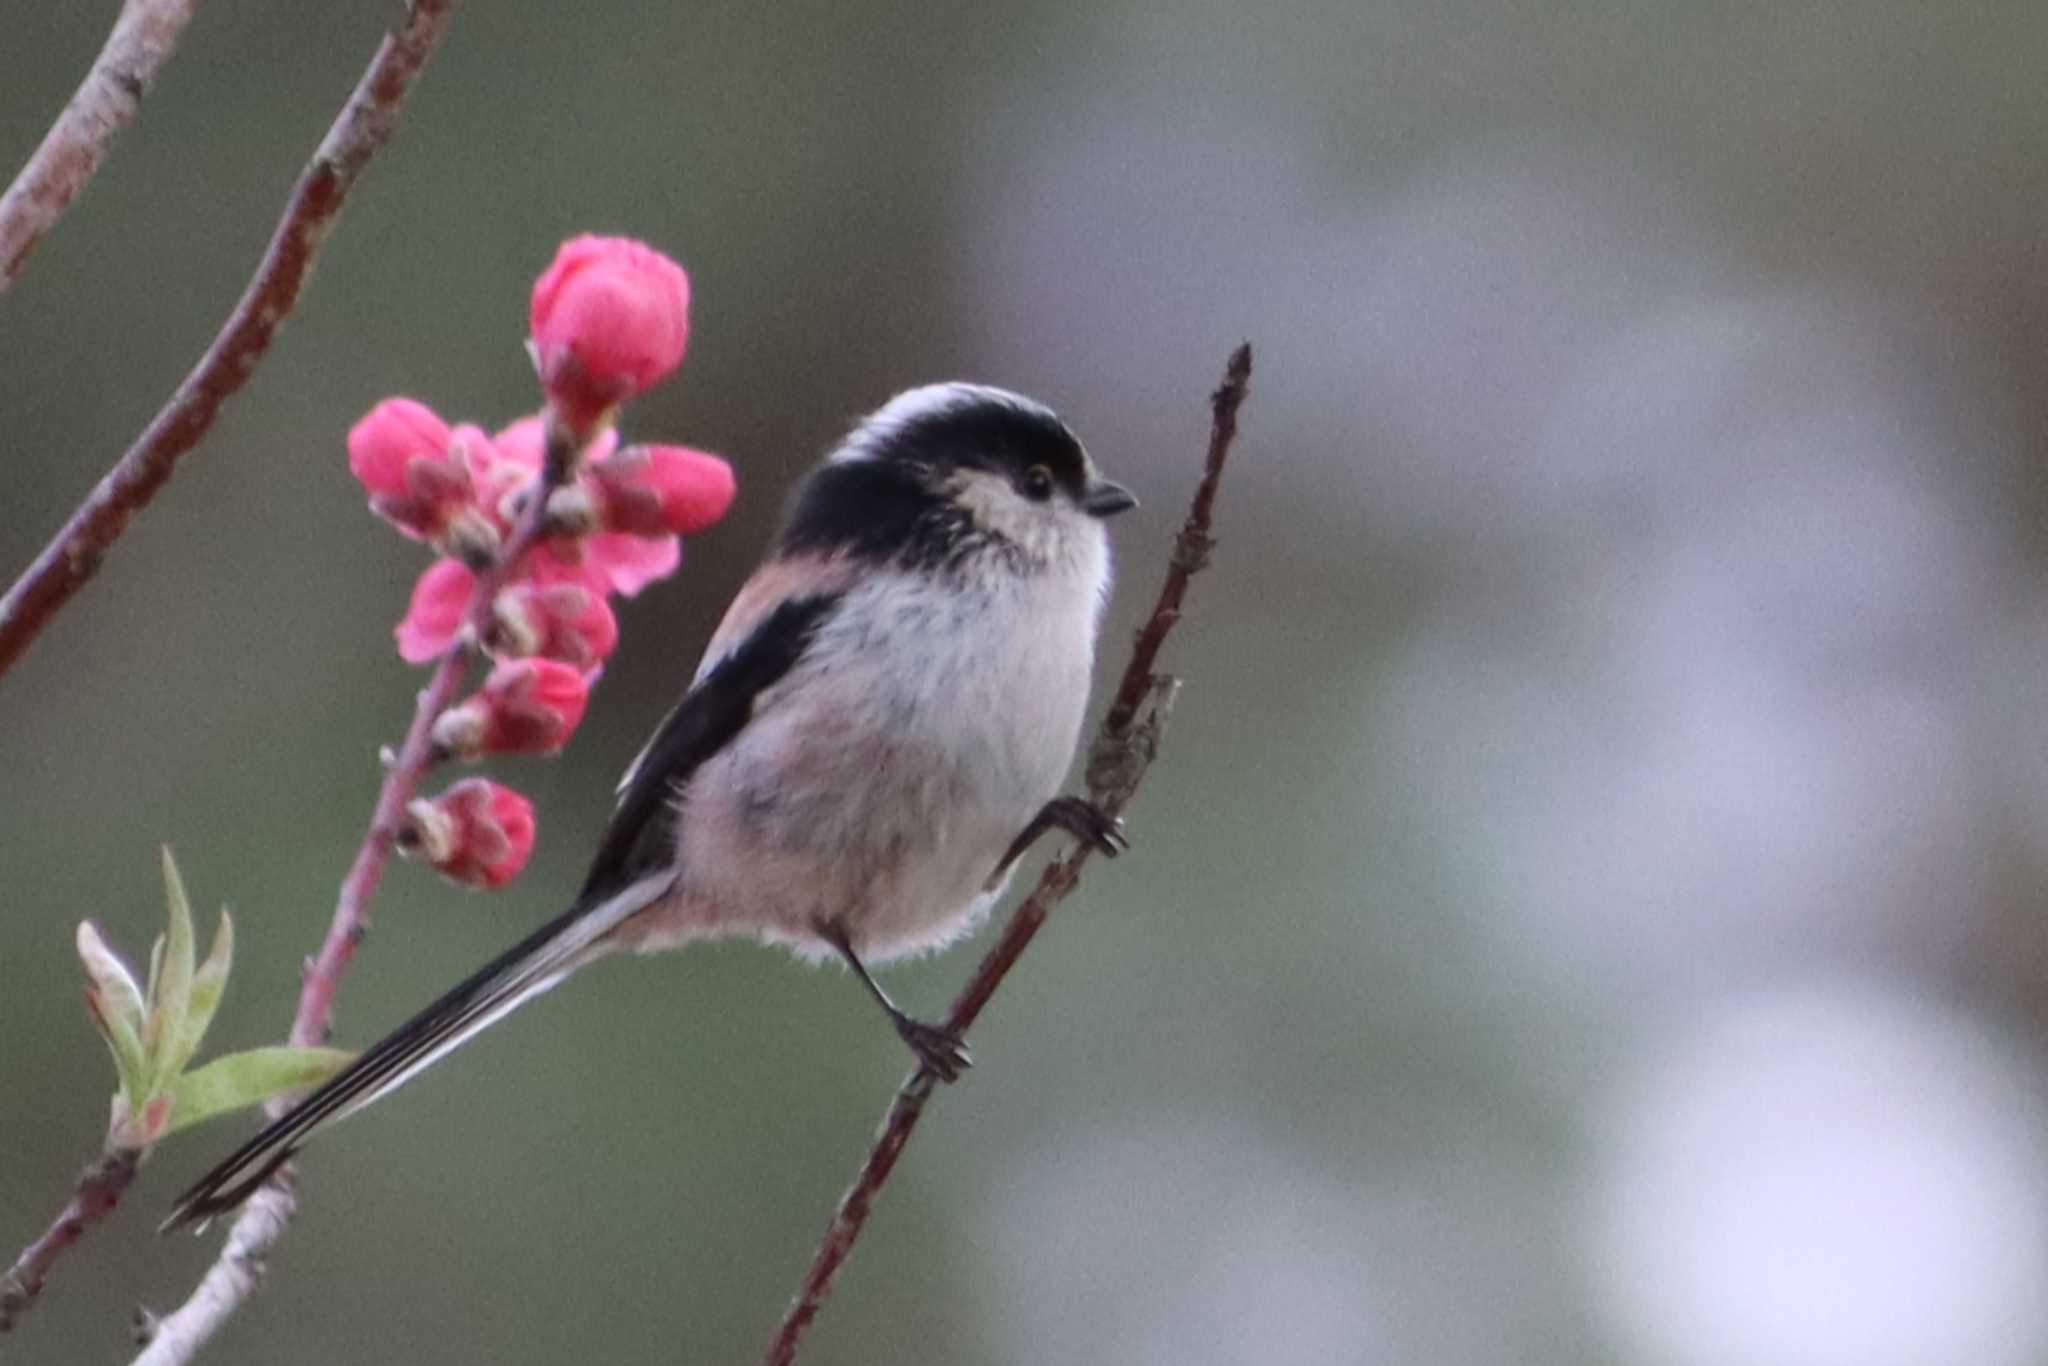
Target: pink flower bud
(610, 317)
(656, 490)
(382, 447)
(526, 706)
(440, 600)
(478, 833)
(556, 613)
(412, 466)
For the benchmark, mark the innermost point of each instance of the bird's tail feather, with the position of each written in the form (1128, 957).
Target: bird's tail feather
(501, 986)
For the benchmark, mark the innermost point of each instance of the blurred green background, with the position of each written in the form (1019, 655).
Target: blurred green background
(1590, 905)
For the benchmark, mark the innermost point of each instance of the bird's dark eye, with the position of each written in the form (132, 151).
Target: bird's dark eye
(1038, 483)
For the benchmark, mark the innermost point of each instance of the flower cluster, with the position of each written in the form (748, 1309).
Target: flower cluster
(555, 515)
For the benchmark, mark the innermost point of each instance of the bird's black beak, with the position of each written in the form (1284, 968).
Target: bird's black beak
(1106, 498)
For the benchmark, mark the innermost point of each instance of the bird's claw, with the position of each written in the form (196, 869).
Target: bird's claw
(938, 1048)
(1089, 823)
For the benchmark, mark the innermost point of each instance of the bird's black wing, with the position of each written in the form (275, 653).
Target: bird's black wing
(639, 842)
(641, 837)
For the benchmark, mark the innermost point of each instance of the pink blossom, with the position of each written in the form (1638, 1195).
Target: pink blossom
(440, 601)
(418, 481)
(526, 706)
(619, 563)
(554, 610)
(628, 564)
(611, 318)
(494, 476)
(478, 833)
(383, 445)
(524, 443)
(509, 462)
(652, 490)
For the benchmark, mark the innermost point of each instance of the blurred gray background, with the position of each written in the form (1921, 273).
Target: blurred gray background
(1590, 908)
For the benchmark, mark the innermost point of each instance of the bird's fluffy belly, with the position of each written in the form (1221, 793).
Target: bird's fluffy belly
(881, 800)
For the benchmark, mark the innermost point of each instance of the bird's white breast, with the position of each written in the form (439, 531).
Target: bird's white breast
(878, 784)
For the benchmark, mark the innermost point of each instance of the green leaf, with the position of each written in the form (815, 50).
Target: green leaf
(115, 1002)
(131, 1063)
(170, 1000)
(208, 982)
(156, 972)
(113, 985)
(237, 1080)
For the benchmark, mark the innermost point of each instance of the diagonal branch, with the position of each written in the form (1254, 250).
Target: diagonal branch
(363, 125)
(99, 1189)
(1123, 750)
(71, 151)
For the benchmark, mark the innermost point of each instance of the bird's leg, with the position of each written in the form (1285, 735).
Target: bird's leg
(1079, 817)
(936, 1047)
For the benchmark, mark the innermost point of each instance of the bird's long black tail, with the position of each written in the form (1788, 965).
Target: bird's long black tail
(516, 976)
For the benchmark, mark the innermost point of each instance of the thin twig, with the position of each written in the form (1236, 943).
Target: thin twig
(1123, 750)
(363, 125)
(69, 154)
(99, 1189)
(261, 1222)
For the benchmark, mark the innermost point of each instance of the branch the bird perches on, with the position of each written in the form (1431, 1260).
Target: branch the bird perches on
(1124, 748)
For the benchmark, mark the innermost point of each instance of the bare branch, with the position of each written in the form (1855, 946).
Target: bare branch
(71, 151)
(363, 125)
(1123, 750)
(99, 1189)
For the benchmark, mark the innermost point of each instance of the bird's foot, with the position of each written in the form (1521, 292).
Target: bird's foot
(937, 1047)
(1087, 822)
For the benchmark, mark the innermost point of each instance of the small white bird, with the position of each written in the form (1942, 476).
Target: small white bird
(878, 730)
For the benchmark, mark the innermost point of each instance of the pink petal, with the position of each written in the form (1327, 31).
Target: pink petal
(440, 600)
(629, 563)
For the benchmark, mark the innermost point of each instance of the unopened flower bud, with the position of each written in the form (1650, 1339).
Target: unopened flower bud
(610, 319)
(526, 706)
(564, 619)
(478, 833)
(408, 460)
(660, 490)
(383, 445)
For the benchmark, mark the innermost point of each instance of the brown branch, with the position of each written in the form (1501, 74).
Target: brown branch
(363, 125)
(99, 1189)
(1123, 750)
(236, 1272)
(69, 154)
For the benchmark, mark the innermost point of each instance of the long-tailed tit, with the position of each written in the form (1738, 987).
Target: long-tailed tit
(878, 730)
